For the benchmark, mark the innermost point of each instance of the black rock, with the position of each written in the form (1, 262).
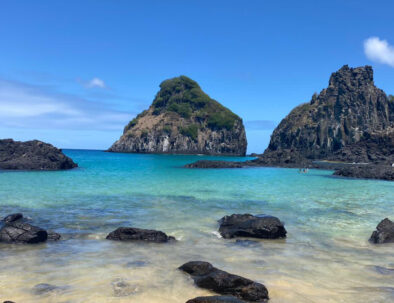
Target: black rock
(246, 225)
(214, 164)
(8, 302)
(384, 232)
(32, 155)
(208, 277)
(344, 113)
(13, 218)
(370, 171)
(19, 232)
(216, 299)
(137, 234)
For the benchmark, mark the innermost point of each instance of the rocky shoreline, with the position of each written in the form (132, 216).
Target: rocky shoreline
(342, 169)
(32, 155)
(229, 287)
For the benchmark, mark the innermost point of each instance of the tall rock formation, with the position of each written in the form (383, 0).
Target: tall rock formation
(184, 120)
(350, 110)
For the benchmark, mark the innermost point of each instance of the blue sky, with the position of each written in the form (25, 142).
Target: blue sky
(73, 73)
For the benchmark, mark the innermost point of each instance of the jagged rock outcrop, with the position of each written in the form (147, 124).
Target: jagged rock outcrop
(32, 155)
(183, 119)
(352, 109)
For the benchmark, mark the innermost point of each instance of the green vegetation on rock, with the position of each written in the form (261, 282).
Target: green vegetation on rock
(391, 98)
(184, 96)
(190, 131)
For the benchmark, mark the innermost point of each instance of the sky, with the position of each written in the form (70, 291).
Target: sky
(73, 73)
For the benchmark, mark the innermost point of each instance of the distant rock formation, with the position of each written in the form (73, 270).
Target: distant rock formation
(351, 121)
(184, 120)
(32, 155)
(351, 110)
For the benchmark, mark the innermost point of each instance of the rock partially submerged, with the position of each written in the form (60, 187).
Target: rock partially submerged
(246, 225)
(13, 218)
(214, 164)
(138, 234)
(20, 232)
(32, 155)
(208, 277)
(16, 230)
(216, 299)
(382, 172)
(384, 232)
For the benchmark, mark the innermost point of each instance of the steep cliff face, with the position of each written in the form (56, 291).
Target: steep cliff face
(183, 119)
(347, 112)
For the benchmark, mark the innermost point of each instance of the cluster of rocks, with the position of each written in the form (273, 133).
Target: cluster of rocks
(351, 121)
(32, 155)
(15, 229)
(231, 288)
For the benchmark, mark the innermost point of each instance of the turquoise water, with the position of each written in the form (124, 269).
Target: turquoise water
(326, 257)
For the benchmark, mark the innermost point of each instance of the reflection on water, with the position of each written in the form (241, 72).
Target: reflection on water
(326, 257)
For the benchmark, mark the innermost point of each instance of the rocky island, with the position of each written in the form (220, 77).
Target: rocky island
(184, 120)
(32, 155)
(349, 122)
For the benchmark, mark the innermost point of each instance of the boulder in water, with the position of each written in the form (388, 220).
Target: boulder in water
(138, 234)
(246, 225)
(384, 232)
(20, 232)
(208, 277)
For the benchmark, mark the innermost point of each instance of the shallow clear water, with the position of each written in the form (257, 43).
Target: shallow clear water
(326, 257)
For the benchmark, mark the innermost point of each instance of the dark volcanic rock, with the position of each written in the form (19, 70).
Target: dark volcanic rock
(208, 277)
(19, 232)
(184, 120)
(32, 155)
(345, 113)
(247, 225)
(216, 299)
(137, 234)
(384, 232)
(375, 148)
(214, 164)
(367, 171)
(13, 218)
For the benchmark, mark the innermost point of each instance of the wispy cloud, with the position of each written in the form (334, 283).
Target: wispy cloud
(379, 50)
(96, 82)
(31, 106)
(93, 83)
(260, 124)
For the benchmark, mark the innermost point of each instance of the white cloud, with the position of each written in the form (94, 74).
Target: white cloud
(379, 51)
(96, 82)
(28, 106)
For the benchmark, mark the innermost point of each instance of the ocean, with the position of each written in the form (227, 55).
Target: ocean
(326, 256)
